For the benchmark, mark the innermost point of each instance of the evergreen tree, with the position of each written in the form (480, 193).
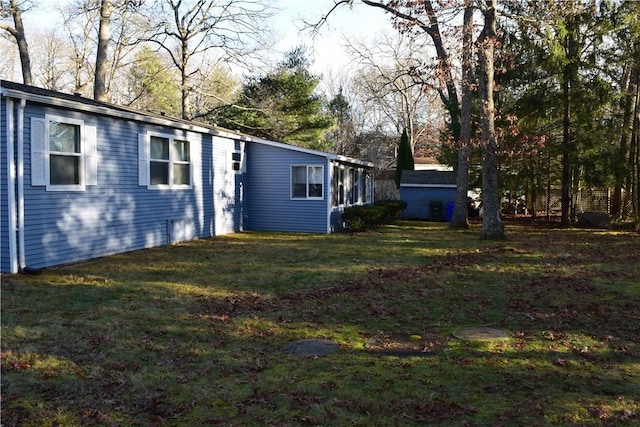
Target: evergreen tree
(405, 157)
(282, 105)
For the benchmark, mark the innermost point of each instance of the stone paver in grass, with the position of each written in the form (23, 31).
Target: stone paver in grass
(480, 333)
(311, 347)
(403, 344)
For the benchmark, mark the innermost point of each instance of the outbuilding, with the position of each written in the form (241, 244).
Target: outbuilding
(430, 194)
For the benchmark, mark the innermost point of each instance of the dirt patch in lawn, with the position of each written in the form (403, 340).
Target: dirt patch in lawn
(403, 344)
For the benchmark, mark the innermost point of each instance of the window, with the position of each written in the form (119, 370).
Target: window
(351, 193)
(63, 154)
(165, 161)
(307, 182)
(236, 162)
(366, 188)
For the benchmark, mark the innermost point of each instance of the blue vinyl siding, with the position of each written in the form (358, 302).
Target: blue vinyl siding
(117, 215)
(269, 200)
(419, 198)
(4, 205)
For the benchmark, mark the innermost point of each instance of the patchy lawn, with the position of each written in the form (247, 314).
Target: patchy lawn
(192, 334)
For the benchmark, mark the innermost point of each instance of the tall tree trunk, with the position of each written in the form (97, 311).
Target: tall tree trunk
(621, 161)
(492, 225)
(569, 76)
(184, 81)
(461, 210)
(448, 98)
(565, 200)
(635, 157)
(100, 92)
(21, 40)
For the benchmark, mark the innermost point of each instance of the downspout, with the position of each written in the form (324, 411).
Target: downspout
(20, 169)
(329, 200)
(11, 190)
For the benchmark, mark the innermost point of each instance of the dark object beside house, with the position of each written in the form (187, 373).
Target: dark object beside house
(594, 220)
(430, 194)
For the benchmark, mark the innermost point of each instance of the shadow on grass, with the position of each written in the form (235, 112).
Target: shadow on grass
(192, 334)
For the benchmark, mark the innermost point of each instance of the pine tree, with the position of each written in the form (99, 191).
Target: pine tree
(405, 157)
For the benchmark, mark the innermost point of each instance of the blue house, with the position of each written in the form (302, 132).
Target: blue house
(81, 179)
(430, 194)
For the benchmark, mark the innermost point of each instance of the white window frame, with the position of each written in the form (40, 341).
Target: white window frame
(41, 152)
(144, 148)
(240, 161)
(309, 168)
(368, 187)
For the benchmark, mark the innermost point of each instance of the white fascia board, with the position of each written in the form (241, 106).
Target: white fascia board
(114, 111)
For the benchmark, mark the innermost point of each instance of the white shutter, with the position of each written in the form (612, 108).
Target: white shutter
(196, 163)
(90, 155)
(39, 152)
(143, 160)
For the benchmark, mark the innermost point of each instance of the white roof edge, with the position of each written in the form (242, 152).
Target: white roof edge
(115, 111)
(105, 110)
(284, 146)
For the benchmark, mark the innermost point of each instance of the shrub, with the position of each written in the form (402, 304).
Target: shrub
(361, 218)
(393, 207)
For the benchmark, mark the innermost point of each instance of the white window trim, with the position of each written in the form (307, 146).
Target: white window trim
(144, 158)
(242, 162)
(307, 182)
(41, 151)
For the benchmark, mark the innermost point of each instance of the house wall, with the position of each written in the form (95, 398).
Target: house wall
(4, 207)
(419, 198)
(116, 215)
(229, 186)
(270, 206)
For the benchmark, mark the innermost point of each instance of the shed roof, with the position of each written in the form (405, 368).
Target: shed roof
(428, 178)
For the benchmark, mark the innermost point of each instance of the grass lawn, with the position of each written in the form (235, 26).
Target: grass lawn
(192, 334)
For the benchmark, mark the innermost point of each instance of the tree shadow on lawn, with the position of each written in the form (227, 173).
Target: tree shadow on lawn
(88, 349)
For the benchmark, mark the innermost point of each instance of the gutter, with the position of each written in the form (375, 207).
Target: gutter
(20, 173)
(11, 190)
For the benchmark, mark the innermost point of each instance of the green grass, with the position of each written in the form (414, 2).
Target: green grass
(192, 334)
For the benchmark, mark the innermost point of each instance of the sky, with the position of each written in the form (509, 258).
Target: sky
(326, 48)
(360, 21)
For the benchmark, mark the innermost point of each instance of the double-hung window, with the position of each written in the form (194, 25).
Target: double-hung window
(165, 162)
(65, 156)
(307, 182)
(63, 153)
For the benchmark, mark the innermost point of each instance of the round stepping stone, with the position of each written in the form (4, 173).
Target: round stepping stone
(480, 334)
(311, 347)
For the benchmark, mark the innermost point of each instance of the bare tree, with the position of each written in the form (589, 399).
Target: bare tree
(421, 17)
(100, 92)
(51, 66)
(13, 9)
(231, 30)
(78, 24)
(459, 220)
(388, 83)
(104, 36)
